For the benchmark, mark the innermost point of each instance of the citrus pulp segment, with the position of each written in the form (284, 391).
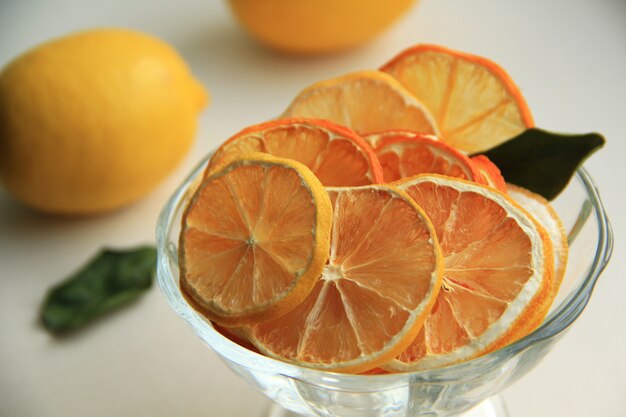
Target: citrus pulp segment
(254, 240)
(381, 279)
(403, 153)
(366, 101)
(335, 154)
(497, 276)
(474, 102)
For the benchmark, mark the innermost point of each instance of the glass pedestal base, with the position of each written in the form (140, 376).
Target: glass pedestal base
(492, 407)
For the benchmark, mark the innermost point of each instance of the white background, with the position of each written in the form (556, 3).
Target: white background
(568, 57)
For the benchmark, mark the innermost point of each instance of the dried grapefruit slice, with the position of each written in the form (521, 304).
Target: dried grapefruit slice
(254, 240)
(545, 214)
(474, 102)
(335, 154)
(497, 277)
(381, 279)
(366, 101)
(490, 172)
(404, 153)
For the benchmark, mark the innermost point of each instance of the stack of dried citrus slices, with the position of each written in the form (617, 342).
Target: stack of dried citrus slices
(356, 234)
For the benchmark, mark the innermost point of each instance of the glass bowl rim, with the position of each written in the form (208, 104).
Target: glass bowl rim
(557, 321)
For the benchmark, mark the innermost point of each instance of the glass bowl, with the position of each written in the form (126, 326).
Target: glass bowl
(470, 387)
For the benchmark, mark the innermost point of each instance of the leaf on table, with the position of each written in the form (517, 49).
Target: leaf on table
(542, 161)
(112, 278)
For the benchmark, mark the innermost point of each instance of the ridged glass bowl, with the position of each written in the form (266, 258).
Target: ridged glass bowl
(470, 387)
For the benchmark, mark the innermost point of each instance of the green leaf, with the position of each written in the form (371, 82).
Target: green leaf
(109, 280)
(542, 161)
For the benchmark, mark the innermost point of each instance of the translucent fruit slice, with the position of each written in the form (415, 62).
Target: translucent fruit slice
(490, 172)
(366, 101)
(380, 282)
(498, 273)
(254, 240)
(474, 102)
(335, 154)
(404, 153)
(545, 214)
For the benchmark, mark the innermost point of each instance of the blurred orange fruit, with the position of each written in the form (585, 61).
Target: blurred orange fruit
(474, 102)
(254, 240)
(380, 282)
(316, 26)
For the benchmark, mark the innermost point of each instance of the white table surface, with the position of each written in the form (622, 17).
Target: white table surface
(569, 58)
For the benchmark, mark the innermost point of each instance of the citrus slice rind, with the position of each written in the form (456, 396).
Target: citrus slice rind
(490, 173)
(497, 277)
(254, 239)
(337, 155)
(545, 214)
(366, 101)
(382, 277)
(404, 153)
(474, 102)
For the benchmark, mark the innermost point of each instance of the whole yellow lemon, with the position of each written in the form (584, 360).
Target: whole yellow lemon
(94, 120)
(317, 26)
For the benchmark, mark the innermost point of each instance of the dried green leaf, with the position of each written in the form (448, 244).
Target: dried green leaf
(109, 280)
(542, 161)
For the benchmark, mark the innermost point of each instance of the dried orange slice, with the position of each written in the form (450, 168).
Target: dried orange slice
(366, 101)
(404, 153)
(545, 214)
(335, 154)
(497, 276)
(254, 239)
(490, 172)
(380, 282)
(474, 102)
